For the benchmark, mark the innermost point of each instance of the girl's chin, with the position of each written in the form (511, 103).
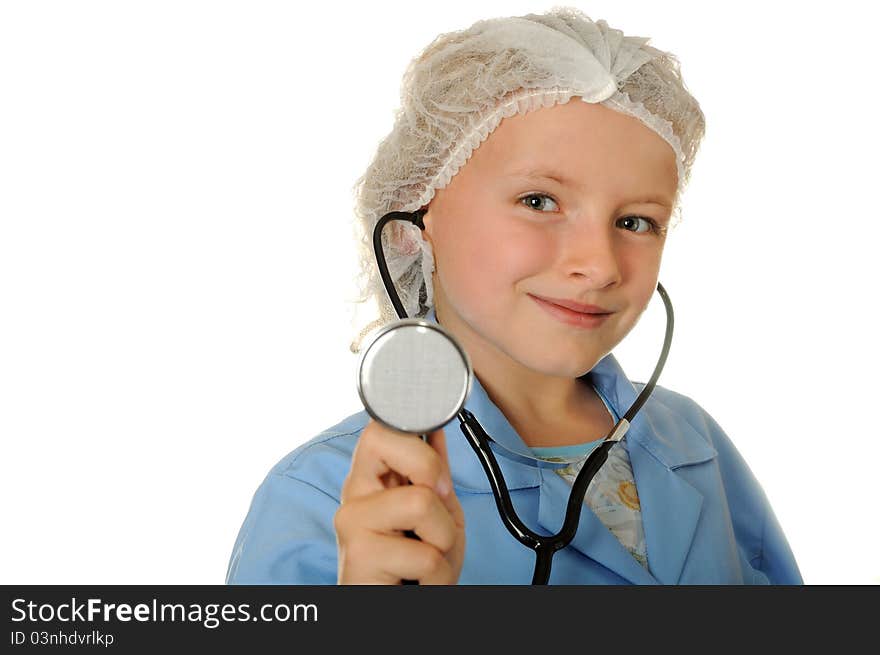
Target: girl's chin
(559, 364)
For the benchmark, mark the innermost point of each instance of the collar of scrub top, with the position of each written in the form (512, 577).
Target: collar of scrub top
(659, 441)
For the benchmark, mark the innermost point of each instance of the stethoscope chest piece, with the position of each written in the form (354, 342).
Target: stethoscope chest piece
(414, 376)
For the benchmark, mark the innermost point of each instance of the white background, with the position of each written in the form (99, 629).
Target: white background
(176, 259)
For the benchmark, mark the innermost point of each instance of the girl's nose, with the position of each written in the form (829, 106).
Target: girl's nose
(589, 252)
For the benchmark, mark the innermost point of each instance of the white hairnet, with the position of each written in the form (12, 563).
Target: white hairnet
(457, 91)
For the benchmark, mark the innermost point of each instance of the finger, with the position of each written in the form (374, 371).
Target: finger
(386, 559)
(381, 450)
(392, 479)
(391, 511)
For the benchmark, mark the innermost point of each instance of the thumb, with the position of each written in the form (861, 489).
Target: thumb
(437, 440)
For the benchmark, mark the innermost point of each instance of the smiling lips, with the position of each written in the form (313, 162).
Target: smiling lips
(575, 306)
(585, 316)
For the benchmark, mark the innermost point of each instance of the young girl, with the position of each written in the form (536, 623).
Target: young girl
(548, 154)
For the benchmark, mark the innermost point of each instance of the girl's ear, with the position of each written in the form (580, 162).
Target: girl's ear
(426, 219)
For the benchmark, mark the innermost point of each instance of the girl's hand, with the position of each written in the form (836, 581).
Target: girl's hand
(378, 504)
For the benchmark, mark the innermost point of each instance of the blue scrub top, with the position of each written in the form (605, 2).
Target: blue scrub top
(705, 516)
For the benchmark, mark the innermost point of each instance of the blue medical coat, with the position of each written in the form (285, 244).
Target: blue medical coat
(706, 518)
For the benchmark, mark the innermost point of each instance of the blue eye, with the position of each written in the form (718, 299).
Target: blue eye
(651, 224)
(529, 197)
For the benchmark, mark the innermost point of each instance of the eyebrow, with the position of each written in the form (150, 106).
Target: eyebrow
(564, 180)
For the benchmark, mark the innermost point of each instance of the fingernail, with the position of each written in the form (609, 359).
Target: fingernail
(443, 486)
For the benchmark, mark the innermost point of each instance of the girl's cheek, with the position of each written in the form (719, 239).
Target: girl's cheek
(525, 253)
(492, 251)
(470, 248)
(643, 282)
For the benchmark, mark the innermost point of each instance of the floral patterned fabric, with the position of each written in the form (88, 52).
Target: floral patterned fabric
(612, 494)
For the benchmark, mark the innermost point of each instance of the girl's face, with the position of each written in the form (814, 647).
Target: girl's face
(504, 230)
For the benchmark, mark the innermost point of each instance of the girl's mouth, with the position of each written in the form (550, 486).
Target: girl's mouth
(570, 317)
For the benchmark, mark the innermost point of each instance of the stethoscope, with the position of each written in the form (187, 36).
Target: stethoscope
(415, 377)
